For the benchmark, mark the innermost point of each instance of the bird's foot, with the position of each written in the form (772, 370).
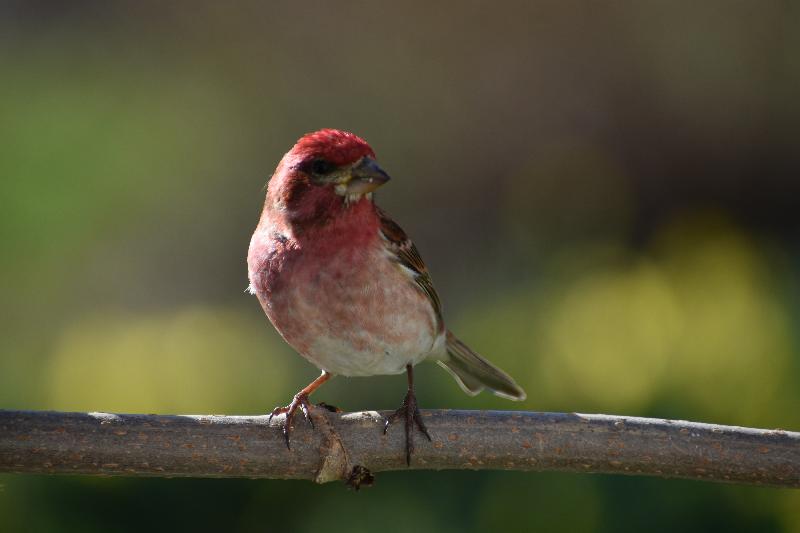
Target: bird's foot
(300, 401)
(410, 412)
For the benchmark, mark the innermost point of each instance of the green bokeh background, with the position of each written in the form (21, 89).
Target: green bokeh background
(606, 194)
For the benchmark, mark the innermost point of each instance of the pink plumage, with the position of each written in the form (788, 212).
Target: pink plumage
(342, 282)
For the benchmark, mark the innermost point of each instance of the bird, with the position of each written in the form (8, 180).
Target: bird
(345, 286)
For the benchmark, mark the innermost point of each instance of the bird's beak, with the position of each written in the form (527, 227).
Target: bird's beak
(365, 177)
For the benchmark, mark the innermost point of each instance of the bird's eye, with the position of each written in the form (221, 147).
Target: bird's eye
(321, 167)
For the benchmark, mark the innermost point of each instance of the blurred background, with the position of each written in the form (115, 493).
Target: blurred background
(606, 195)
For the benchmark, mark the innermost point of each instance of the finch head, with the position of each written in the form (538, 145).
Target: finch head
(325, 172)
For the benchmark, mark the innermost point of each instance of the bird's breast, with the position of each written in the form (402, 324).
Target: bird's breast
(351, 310)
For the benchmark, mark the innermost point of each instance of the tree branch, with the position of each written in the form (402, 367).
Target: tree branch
(344, 443)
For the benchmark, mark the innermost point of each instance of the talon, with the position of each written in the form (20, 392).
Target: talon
(421, 424)
(300, 401)
(304, 407)
(286, 437)
(392, 418)
(410, 412)
(276, 411)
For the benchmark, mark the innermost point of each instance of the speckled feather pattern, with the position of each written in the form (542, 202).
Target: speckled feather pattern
(341, 299)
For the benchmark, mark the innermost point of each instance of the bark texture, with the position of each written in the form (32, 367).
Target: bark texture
(351, 446)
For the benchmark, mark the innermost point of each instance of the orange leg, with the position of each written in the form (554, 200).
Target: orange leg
(300, 400)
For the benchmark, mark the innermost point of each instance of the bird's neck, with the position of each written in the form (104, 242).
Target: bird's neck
(335, 224)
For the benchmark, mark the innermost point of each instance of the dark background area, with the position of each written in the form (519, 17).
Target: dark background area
(606, 194)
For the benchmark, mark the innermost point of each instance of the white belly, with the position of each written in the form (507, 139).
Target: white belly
(370, 358)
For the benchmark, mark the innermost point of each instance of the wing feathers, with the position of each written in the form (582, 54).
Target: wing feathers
(407, 256)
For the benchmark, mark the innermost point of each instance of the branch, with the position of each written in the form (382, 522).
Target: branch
(344, 444)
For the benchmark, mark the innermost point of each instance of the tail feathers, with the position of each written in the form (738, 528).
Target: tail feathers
(474, 373)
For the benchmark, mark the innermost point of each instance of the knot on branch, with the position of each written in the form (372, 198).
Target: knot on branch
(334, 462)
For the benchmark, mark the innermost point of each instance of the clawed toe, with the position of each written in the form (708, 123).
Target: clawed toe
(410, 412)
(299, 401)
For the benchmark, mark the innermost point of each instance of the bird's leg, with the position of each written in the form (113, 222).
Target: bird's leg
(410, 412)
(300, 401)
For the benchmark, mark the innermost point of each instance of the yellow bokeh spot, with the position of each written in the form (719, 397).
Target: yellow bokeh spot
(195, 360)
(734, 355)
(608, 336)
(694, 326)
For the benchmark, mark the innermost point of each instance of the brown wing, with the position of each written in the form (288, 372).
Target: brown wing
(406, 254)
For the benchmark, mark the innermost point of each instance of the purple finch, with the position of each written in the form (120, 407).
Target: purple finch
(345, 286)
